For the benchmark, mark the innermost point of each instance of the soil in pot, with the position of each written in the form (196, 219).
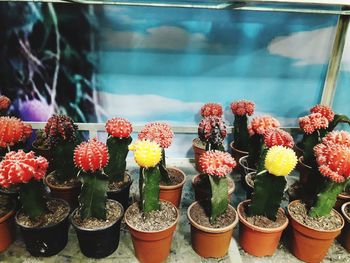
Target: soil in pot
(172, 192)
(48, 234)
(7, 222)
(99, 238)
(119, 191)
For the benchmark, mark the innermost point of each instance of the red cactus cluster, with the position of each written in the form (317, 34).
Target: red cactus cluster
(216, 163)
(313, 122)
(337, 137)
(119, 128)
(259, 125)
(242, 107)
(210, 125)
(211, 109)
(158, 132)
(278, 137)
(61, 127)
(5, 102)
(21, 167)
(13, 130)
(91, 156)
(325, 111)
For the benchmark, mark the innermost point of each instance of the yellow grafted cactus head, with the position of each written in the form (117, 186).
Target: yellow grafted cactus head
(280, 161)
(146, 153)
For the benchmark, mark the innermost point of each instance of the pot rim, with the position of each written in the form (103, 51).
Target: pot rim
(97, 228)
(258, 228)
(48, 226)
(9, 213)
(130, 181)
(155, 231)
(77, 185)
(170, 187)
(209, 229)
(347, 217)
(312, 228)
(236, 149)
(245, 167)
(230, 190)
(344, 195)
(301, 162)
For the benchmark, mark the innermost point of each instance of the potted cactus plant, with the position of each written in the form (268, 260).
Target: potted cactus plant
(43, 222)
(97, 219)
(7, 221)
(173, 179)
(118, 141)
(213, 220)
(262, 221)
(314, 223)
(62, 181)
(151, 222)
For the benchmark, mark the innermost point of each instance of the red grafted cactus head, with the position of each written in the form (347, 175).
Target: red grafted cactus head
(158, 132)
(278, 137)
(243, 107)
(91, 156)
(211, 109)
(325, 111)
(210, 125)
(313, 122)
(13, 130)
(337, 137)
(5, 102)
(259, 125)
(61, 127)
(119, 128)
(216, 163)
(21, 167)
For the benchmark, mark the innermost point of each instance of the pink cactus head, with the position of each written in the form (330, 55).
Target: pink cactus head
(211, 109)
(337, 137)
(259, 125)
(60, 128)
(5, 103)
(210, 125)
(216, 163)
(278, 137)
(21, 167)
(325, 111)
(243, 107)
(313, 122)
(158, 132)
(119, 128)
(91, 156)
(13, 130)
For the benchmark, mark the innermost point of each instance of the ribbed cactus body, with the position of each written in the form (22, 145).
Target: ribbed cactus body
(240, 132)
(219, 200)
(149, 190)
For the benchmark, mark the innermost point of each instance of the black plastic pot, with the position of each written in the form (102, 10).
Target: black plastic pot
(45, 241)
(99, 242)
(121, 195)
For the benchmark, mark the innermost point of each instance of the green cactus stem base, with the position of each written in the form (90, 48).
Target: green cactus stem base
(267, 195)
(219, 198)
(240, 133)
(63, 161)
(93, 196)
(31, 195)
(149, 188)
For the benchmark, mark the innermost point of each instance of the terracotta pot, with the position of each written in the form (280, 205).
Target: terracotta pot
(304, 170)
(210, 242)
(121, 195)
(197, 153)
(68, 193)
(341, 199)
(345, 235)
(172, 193)
(258, 241)
(236, 153)
(202, 193)
(152, 246)
(310, 244)
(7, 230)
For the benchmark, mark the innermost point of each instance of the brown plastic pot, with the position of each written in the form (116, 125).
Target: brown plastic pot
(152, 246)
(201, 193)
(68, 193)
(258, 241)
(7, 230)
(341, 199)
(345, 234)
(197, 153)
(309, 244)
(172, 193)
(236, 153)
(210, 242)
(304, 170)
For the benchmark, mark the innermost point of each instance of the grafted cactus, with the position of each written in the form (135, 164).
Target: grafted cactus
(211, 109)
(270, 183)
(147, 155)
(118, 141)
(5, 103)
(13, 131)
(217, 165)
(212, 131)
(91, 157)
(27, 171)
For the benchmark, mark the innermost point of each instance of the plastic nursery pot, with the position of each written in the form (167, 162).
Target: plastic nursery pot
(304, 170)
(7, 230)
(172, 193)
(341, 199)
(237, 153)
(201, 193)
(45, 241)
(198, 149)
(345, 235)
(152, 246)
(121, 195)
(210, 242)
(250, 185)
(99, 242)
(258, 241)
(309, 244)
(68, 193)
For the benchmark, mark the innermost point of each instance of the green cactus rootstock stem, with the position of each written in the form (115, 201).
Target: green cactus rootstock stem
(149, 190)
(219, 196)
(31, 195)
(240, 133)
(267, 195)
(309, 142)
(256, 146)
(93, 196)
(338, 119)
(118, 151)
(326, 198)
(163, 171)
(261, 163)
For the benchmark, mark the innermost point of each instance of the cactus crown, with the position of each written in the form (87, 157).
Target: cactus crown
(211, 109)
(276, 136)
(158, 132)
(12, 131)
(242, 107)
(61, 128)
(212, 130)
(119, 128)
(5, 103)
(325, 111)
(259, 125)
(147, 154)
(313, 122)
